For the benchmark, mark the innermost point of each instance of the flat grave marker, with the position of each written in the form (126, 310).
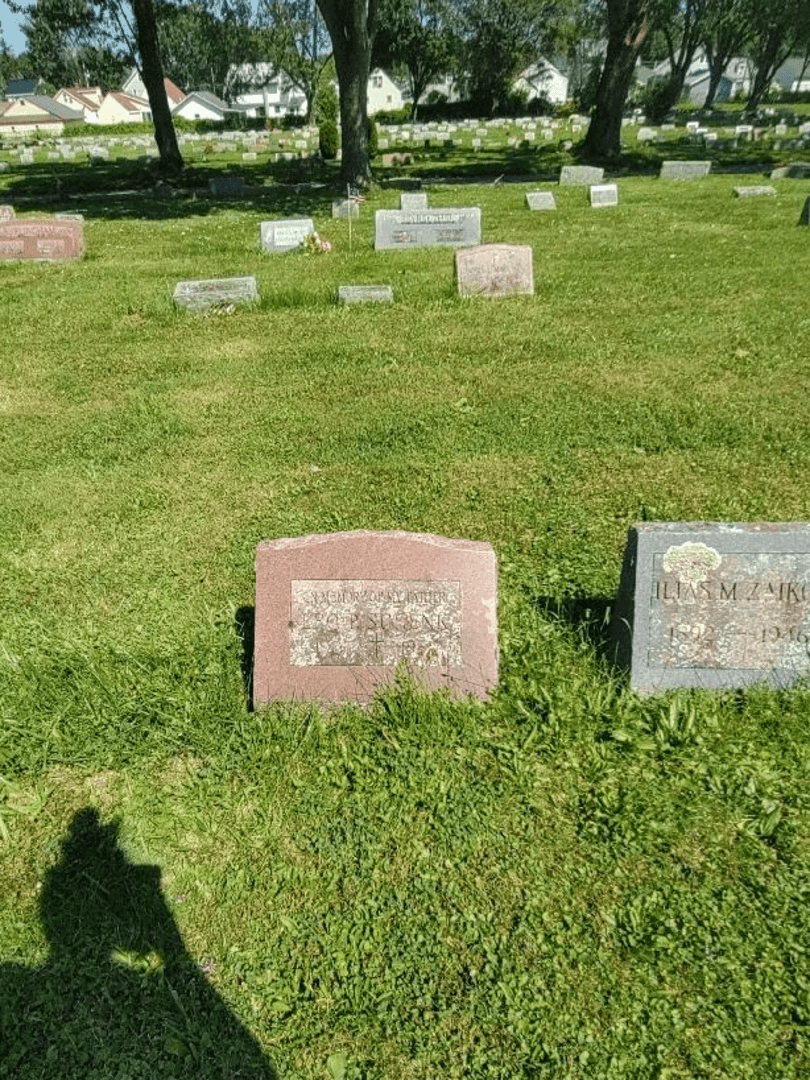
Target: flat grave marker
(338, 614)
(753, 190)
(41, 241)
(717, 605)
(495, 270)
(604, 195)
(285, 235)
(684, 170)
(365, 294)
(439, 227)
(540, 200)
(584, 175)
(221, 293)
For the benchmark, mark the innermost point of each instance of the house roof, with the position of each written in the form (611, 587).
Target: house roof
(16, 87)
(205, 97)
(53, 108)
(80, 94)
(129, 102)
(173, 93)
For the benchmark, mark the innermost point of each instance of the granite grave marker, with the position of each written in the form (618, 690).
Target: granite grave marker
(439, 227)
(365, 294)
(604, 195)
(495, 270)
(584, 175)
(684, 170)
(714, 604)
(285, 235)
(540, 200)
(222, 293)
(41, 241)
(338, 614)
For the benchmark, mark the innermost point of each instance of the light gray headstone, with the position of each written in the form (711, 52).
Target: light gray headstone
(495, 270)
(584, 175)
(440, 227)
(413, 200)
(797, 170)
(684, 170)
(249, 155)
(285, 235)
(365, 294)
(604, 195)
(714, 605)
(753, 190)
(345, 208)
(7, 213)
(222, 293)
(540, 200)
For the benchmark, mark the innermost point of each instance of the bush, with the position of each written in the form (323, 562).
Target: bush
(328, 140)
(373, 148)
(326, 103)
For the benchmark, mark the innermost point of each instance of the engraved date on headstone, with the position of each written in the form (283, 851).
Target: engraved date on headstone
(742, 610)
(375, 623)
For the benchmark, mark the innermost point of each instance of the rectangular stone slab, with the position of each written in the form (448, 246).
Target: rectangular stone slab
(41, 241)
(540, 200)
(581, 174)
(337, 615)
(684, 170)
(285, 235)
(752, 190)
(604, 195)
(7, 213)
(495, 270)
(397, 230)
(216, 292)
(716, 605)
(365, 294)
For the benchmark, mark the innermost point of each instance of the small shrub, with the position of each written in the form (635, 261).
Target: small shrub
(328, 140)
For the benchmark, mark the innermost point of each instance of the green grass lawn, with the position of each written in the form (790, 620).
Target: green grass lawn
(566, 882)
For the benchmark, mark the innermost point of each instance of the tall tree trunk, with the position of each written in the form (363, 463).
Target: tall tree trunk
(351, 25)
(152, 74)
(628, 28)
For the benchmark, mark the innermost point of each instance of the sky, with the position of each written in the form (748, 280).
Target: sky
(10, 29)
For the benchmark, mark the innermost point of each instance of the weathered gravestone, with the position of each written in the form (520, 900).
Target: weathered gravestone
(540, 200)
(216, 293)
(440, 227)
(229, 186)
(752, 190)
(804, 217)
(285, 235)
(684, 170)
(584, 175)
(714, 605)
(338, 614)
(41, 241)
(413, 200)
(6, 213)
(365, 294)
(495, 270)
(798, 170)
(604, 195)
(345, 208)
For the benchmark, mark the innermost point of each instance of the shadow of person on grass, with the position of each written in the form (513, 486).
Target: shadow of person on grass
(119, 997)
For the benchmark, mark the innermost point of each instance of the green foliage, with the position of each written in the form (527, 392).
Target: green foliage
(328, 140)
(373, 137)
(326, 103)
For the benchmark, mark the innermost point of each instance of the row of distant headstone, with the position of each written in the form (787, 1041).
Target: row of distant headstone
(699, 605)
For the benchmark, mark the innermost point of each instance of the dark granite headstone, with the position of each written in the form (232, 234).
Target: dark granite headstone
(714, 605)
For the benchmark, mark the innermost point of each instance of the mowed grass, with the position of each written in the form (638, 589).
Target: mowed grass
(566, 882)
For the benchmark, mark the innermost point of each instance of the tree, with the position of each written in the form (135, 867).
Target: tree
(293, 37)
(724, 32)
(56, 29)
(501, 37)
(629, 24)
(416, 35)
(199, 44)
(352, 25)
(681, 24)
(777, 28)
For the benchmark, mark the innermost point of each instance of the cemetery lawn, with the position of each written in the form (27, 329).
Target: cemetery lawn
(567, 882)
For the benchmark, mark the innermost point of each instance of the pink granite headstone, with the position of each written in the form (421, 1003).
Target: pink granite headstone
(42, 241)
(338, 614)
